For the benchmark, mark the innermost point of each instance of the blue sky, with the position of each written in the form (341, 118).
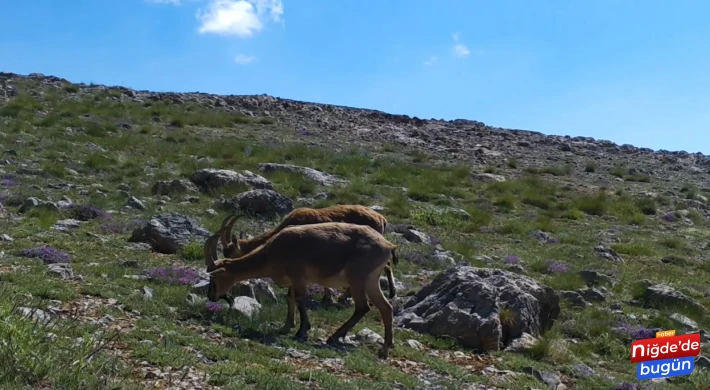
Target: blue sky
(629, 72)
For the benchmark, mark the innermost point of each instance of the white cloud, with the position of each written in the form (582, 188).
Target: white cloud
(460, 50)
(241, 18)
(242, 59)
(431, 60)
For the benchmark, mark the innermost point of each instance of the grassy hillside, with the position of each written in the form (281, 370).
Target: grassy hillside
(565, 206)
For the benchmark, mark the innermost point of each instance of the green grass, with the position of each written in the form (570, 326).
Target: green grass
(118, 143)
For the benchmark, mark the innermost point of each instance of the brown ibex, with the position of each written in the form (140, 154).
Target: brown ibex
(332, 254)
(355, 214)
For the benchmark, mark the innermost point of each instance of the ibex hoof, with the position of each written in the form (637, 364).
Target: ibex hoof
(384, 352)
(302, 337)
(285, 329)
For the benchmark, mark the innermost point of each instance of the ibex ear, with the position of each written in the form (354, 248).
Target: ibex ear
(241, 235)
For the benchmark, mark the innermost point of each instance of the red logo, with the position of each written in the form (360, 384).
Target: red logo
(665, 348)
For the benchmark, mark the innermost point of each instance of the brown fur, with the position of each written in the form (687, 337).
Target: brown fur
(331, 254)
(355, 214)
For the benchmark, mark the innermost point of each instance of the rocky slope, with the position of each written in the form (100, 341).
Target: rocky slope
(528, 260)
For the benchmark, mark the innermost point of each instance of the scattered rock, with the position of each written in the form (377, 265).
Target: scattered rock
(136, 277)
(574, 298)
(594, 278)
(582, 371)
(34, 203)
(34, 313)
(662, 295)
(702, 362)
(258, 289)
(482, 308)
(176, 186)
(592, 294)
(320, 178)
(147, 292)
(368, 336)
(201, 287)
(417, 237)
(136, 203)
(444, 258)
(65, 225)
(416, 345)
(487, 178)
(259, 202)
(246, 305)
(195, 299)
(169, 232)
(64, 270)
(608, 253)
(550, 379)
(525, 342)
(210, 179)
(543, 237)
(683, 322)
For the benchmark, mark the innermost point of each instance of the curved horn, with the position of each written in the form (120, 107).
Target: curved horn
(210, 251)
(222, 236)
(228, 229)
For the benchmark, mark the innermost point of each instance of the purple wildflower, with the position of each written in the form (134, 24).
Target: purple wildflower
(670, 217)
(8, 180)
(512, 260)
(635, 332)
(214, 307)
(174, 275)
(642, 333)
(47, 254)
(314, 289)
(556, 267)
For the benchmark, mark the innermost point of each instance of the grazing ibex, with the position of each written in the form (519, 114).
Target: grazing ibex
(332, 254)
(355, 214)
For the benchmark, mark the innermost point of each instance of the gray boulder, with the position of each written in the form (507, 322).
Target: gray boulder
(176, 186)
(314, 175)
(169, 232)
(210, 179)
(258, 202)
(665, 296)
(482, 308)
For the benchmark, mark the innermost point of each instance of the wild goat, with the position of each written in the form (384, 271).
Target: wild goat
(355, 214)
(331, 254)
